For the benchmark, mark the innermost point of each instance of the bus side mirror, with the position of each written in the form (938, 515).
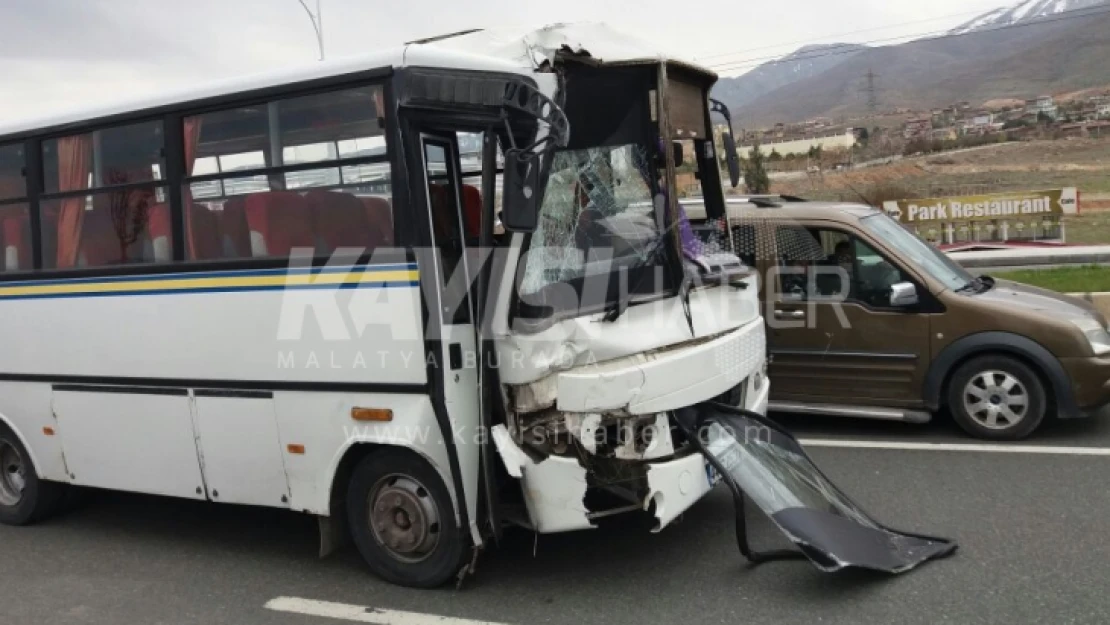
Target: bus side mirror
(520, 206)
(733, 160)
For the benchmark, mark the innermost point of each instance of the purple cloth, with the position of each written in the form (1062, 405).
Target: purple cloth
(692, 246)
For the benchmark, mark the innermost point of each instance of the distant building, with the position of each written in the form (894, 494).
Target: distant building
(1044, 104)
(1086, 129)
(982, 119)
(943, 134)
(833, 141)
(917, 128)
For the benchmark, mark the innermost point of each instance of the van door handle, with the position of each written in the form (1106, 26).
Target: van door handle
(789, 314)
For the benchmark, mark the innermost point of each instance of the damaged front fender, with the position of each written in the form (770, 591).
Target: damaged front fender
(759, 459)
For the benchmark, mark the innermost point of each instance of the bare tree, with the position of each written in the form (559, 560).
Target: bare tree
(129, 210)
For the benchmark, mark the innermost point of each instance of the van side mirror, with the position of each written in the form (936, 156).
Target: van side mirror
(521, 182)
(903, 294)
(733, 160)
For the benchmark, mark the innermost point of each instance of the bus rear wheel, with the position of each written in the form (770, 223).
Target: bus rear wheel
(24, 498)
(402, 520)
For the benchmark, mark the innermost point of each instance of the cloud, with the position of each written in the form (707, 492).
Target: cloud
(61, 54)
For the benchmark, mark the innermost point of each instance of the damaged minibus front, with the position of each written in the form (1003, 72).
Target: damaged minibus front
(620, 335)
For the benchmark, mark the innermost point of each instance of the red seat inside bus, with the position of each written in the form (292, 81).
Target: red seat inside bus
(279, 221)
(160, 224)
(235, 239)
(272, 223)
(112, 232)
(203, 234)
(472, 210)
(379, 214)
(339, 220)
(15, 228)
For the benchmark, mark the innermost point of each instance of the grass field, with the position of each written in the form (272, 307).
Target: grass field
(1084, 279)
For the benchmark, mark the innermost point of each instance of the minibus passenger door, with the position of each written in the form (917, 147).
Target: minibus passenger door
(446, 279)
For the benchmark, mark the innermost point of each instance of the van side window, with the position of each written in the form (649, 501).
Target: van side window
(819, 263)
(874, 275)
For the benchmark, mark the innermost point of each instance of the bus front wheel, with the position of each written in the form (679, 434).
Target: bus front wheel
(24, 498)
(403, 521)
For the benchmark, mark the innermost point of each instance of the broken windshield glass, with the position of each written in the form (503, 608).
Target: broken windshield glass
(768, 465)
(598, 213)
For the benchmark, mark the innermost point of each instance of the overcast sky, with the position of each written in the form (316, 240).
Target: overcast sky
(62, 54)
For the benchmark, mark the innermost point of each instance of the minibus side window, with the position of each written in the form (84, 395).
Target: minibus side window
(105, 201)
(15, 222)
(305, 175)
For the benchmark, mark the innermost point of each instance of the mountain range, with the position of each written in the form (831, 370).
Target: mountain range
(1033, 47)
(1022, 12)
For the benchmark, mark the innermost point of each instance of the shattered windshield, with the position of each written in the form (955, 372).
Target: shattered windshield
(780, 478)
(597, 215)
(770, 467)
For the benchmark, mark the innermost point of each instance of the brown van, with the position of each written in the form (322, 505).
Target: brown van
(867, 320)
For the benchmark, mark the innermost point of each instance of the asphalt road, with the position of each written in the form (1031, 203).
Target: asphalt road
(1031, 527)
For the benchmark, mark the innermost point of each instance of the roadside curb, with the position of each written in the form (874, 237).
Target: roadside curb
(1100, 300)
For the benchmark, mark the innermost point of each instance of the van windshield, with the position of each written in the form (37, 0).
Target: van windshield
(913, 249)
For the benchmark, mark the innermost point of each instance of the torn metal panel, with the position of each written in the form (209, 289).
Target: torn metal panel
(554, 488)
(759, 459)
(656, 327)
(675, 486)
(545, 46)
(651, 382)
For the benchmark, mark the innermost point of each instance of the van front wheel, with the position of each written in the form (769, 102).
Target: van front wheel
(403, 521)
(997, 398)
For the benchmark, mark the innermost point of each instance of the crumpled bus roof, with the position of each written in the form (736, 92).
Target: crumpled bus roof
(596, 41)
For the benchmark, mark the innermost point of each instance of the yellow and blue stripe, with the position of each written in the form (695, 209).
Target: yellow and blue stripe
(282, 279)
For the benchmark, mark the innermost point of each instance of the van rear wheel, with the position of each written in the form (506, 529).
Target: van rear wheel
(403, 521)
(997, 398)
(24, 498)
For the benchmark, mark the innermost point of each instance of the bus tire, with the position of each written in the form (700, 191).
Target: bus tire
(24, 498)
(402, 520)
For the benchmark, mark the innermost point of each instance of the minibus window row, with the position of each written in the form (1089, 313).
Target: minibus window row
(104, 197)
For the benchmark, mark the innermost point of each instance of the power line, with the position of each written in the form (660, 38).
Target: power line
(924, 37)
(852, 32)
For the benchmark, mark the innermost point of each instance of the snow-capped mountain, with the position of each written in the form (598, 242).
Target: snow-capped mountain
(801, 64)
(1027, 11)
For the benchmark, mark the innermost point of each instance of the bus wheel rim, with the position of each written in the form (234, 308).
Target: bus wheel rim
(404, 518)
(13, 477)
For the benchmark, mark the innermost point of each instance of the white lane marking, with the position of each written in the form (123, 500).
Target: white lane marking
(995, 449)
(362, 614)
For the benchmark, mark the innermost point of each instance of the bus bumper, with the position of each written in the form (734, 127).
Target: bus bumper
(555, 487)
